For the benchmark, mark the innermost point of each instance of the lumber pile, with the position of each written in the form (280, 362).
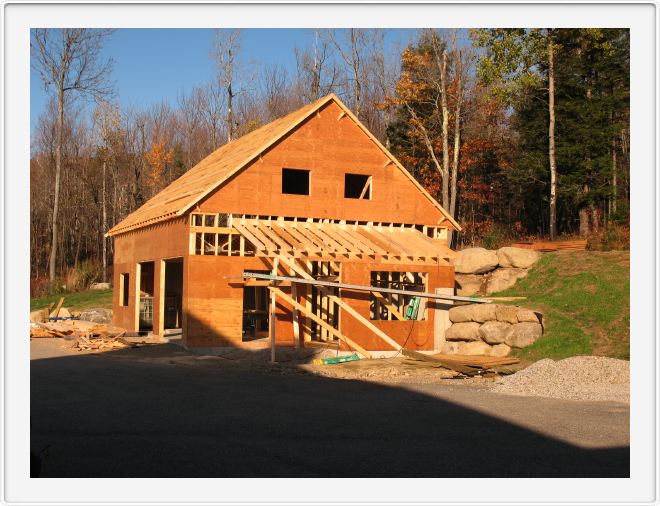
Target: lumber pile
(88, 336)
(545, 246)
(83, 343)
(73, 329)
(468, 365)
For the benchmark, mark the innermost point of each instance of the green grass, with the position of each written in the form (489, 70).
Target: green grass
(78, 300)
(585, 299)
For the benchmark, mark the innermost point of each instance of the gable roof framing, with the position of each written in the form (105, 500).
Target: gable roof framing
(212, 172)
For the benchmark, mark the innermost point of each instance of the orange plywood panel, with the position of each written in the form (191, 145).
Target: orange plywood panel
(329, 149)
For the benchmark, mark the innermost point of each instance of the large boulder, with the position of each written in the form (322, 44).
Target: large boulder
(97, 315)
(480, 312)
(466, 348)
(99, 286)
(468, 284)
(483, 312)
(494, 332)
(502, 278)
(475, 261)
(523, 334)
(458, 314)
(500, 350)
(517, 257)
(465, 331)
(508, 314)
(527, 315)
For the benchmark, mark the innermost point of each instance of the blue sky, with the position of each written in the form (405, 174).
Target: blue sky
(155, 64)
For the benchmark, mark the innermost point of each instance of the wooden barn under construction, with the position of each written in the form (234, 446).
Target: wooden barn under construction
(312, 196)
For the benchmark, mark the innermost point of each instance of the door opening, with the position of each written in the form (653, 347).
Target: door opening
(173, 295)
(255, 308)
(146, 305)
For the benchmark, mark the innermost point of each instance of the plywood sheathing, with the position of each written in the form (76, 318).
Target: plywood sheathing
(221, 165)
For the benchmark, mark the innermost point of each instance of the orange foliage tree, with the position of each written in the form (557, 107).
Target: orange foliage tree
(158, 157)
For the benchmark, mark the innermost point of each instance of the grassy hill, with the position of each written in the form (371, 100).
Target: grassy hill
(77, 300)
(585, 297)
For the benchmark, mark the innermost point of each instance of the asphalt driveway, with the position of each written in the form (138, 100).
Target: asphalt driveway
(115, 415)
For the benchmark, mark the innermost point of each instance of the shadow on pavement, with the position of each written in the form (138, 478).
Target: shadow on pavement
(112, 415)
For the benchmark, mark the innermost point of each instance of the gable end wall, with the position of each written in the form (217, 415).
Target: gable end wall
(329, 147)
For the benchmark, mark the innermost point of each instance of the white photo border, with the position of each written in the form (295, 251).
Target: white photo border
(641, 487)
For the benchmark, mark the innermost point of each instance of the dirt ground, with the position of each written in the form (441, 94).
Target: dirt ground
(397, 370)
(161, 411)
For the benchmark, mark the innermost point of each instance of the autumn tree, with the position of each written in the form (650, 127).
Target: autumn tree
(511, 64)
(158, 157)
(431, 72)
(68, 62)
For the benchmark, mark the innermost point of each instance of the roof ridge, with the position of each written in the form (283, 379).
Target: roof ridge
(227, 160)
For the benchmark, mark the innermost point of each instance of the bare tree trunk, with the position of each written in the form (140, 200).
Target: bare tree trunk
(316, 74)
(594, 213)
(585, 229)
(58, 171)
(457, 132)
(104, 250)
(230, 110)
(445, 130)
(614, 181)
(551, 140)
(356, 73)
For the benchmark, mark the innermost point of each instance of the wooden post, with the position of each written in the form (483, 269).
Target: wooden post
(296, 324)
(159, 298)
(271, 317)
(136, 302)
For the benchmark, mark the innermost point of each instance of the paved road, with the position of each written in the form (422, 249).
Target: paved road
(110, 415)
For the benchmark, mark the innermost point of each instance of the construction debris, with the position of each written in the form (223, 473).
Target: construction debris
(87, 335)
(84, 343)
(467, 365)
(56, 312)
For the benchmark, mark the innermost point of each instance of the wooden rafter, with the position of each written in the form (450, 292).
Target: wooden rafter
(331, 241)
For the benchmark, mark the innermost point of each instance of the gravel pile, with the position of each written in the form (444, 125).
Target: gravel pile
(577, 378)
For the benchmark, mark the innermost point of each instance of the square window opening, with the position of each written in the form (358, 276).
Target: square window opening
(405, 304)
(124, 285)
(357, 186)
(295, 181)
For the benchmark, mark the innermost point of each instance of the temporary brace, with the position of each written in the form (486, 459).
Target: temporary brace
(363, 288)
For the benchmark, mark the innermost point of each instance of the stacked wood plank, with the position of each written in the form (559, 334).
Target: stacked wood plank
(468, 365)
(545, 246)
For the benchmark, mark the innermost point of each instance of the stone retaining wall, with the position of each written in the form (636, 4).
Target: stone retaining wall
(482, 271)
(491, 329)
